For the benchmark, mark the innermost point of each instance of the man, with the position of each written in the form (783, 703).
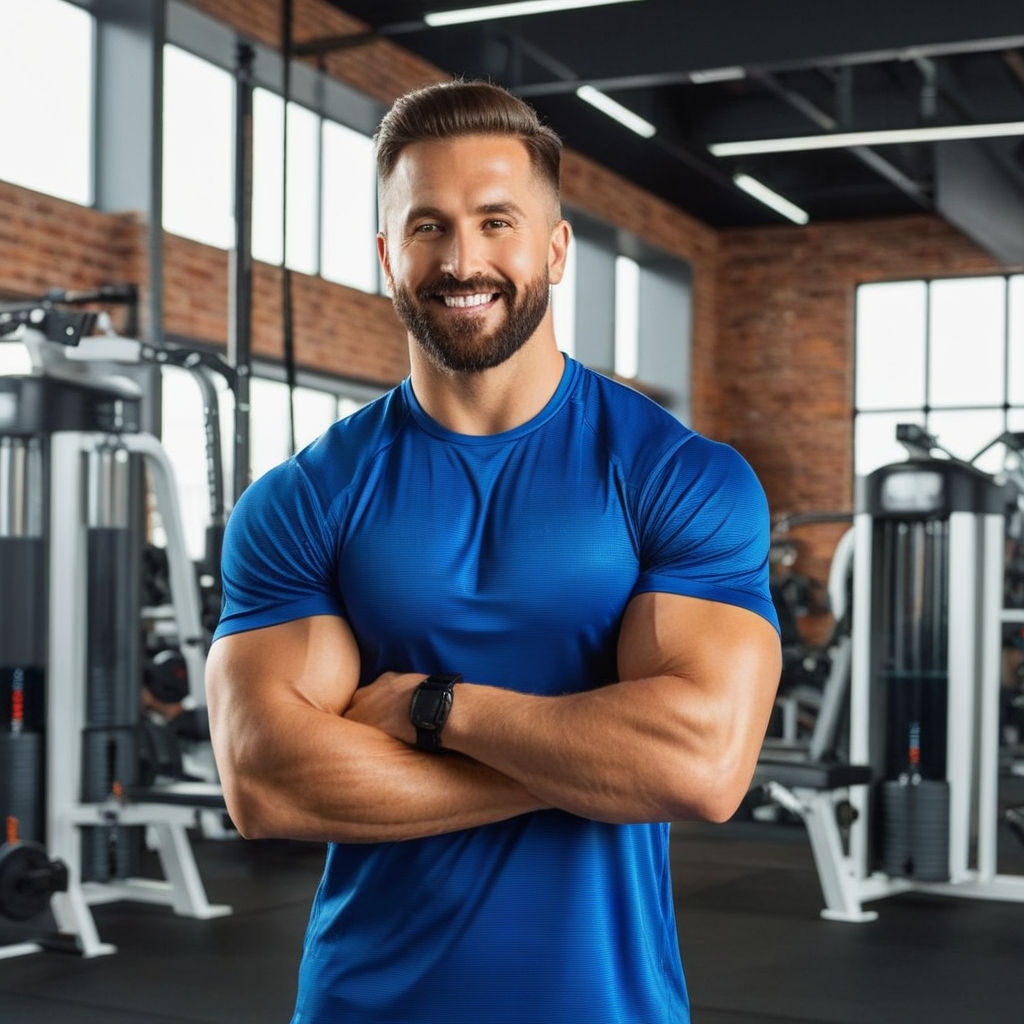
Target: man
(594, 572)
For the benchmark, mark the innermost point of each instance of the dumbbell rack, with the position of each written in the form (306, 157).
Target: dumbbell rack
(165, 812)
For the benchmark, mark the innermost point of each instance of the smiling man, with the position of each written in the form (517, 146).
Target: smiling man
(489, 635)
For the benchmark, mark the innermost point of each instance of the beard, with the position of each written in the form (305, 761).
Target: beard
(462, 346)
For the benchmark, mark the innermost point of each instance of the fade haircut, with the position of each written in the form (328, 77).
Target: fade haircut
(453, 109)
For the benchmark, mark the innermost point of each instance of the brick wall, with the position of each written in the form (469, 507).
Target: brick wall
(47, 243)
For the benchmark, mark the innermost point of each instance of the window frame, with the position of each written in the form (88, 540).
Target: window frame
(925, 412)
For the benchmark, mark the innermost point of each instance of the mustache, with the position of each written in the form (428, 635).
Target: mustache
(447, 284)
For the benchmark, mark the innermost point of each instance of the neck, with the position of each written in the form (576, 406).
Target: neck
(490, 401)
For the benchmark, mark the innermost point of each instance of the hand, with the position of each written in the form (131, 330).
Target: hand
(384, 704)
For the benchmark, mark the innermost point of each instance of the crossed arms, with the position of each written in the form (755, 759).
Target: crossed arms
(304, 754)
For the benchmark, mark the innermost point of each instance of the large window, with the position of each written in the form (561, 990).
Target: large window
(46, 95)
(332, 217)
(268, 184)
(945, 354)
(198, 153)
(349, 213)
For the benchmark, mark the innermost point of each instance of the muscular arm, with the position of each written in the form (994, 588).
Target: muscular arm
(677, 739)
(292, 767)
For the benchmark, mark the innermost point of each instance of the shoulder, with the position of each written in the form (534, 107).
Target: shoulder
(646, 439)
(337, 459)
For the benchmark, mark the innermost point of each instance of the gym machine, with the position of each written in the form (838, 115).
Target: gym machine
(72, 465)
(928, 613)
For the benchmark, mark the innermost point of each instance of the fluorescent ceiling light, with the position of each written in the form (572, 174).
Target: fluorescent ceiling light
(839, 140)
(765, 195)
(717, 75)
(622, 114)
(513, 10)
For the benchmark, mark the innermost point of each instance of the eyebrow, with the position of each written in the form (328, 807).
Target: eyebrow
(507, 207)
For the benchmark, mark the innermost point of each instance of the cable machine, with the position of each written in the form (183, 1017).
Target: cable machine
(929, 566)
(72, 460)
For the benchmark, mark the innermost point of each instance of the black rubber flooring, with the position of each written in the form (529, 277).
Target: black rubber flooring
(754, 948)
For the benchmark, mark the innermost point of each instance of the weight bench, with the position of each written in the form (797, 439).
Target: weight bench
(808, 789)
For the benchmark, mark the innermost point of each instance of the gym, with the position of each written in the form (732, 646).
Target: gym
(801, 234)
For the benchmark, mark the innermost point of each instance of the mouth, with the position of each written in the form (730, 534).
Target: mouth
(477, 300)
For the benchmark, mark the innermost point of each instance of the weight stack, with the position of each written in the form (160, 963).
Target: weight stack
(23, 637)
(915, 829)
(113, 658)
(109, 761)
(21, 784)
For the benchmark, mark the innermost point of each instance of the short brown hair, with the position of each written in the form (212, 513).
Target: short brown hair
(451, 109)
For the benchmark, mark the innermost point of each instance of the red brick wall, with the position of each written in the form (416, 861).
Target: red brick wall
(48, 243)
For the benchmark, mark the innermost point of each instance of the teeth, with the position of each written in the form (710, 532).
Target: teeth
(466, 301)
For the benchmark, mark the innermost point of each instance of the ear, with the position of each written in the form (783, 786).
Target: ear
(558, 250)
(385, 261)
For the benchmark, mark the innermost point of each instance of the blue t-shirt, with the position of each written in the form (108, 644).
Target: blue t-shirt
(509, 558)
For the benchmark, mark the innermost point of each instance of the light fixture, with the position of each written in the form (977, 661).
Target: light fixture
(763, 194)
(717, 75)
(513, 10)
(615, 110)
(889, 137)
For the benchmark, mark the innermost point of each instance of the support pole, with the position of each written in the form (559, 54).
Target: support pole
(240, 333)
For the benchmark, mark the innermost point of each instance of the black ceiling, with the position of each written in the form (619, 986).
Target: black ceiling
(803, 67)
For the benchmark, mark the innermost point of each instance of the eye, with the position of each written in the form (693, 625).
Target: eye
(496, 223)
(426, 229)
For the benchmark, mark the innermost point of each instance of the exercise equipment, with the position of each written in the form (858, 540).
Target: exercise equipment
(925, 687)
(917, 807)
(28, 878)
(73, 460)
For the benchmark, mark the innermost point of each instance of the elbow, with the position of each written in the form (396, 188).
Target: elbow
(712, 793)
(250, 812)
(719, 808)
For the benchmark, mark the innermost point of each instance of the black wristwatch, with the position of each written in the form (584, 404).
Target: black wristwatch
(429, 709)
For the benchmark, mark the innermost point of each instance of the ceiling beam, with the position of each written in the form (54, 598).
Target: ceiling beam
(701, 35)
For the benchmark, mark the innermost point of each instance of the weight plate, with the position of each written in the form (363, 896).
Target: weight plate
(24, 873)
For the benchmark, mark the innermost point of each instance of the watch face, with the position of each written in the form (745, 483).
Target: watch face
(430, 708)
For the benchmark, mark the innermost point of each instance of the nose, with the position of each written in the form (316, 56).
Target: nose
(463, 256)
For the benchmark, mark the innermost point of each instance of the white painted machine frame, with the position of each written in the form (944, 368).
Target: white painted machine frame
(182, 889)
(976, 567)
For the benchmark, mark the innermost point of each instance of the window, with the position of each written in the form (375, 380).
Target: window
(47, 64)
(303, 183)
(332, 215)
(947, 355)
(198, 148)
(349, 214)
(627, 316)
(563, 304)
(315, 411)
(183, 438)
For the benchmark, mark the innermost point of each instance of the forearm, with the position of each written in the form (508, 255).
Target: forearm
(315, 776)
(629, 752)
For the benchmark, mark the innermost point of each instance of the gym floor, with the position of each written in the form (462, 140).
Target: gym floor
(754, 948)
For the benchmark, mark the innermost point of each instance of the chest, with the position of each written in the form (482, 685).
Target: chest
(494, 546)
